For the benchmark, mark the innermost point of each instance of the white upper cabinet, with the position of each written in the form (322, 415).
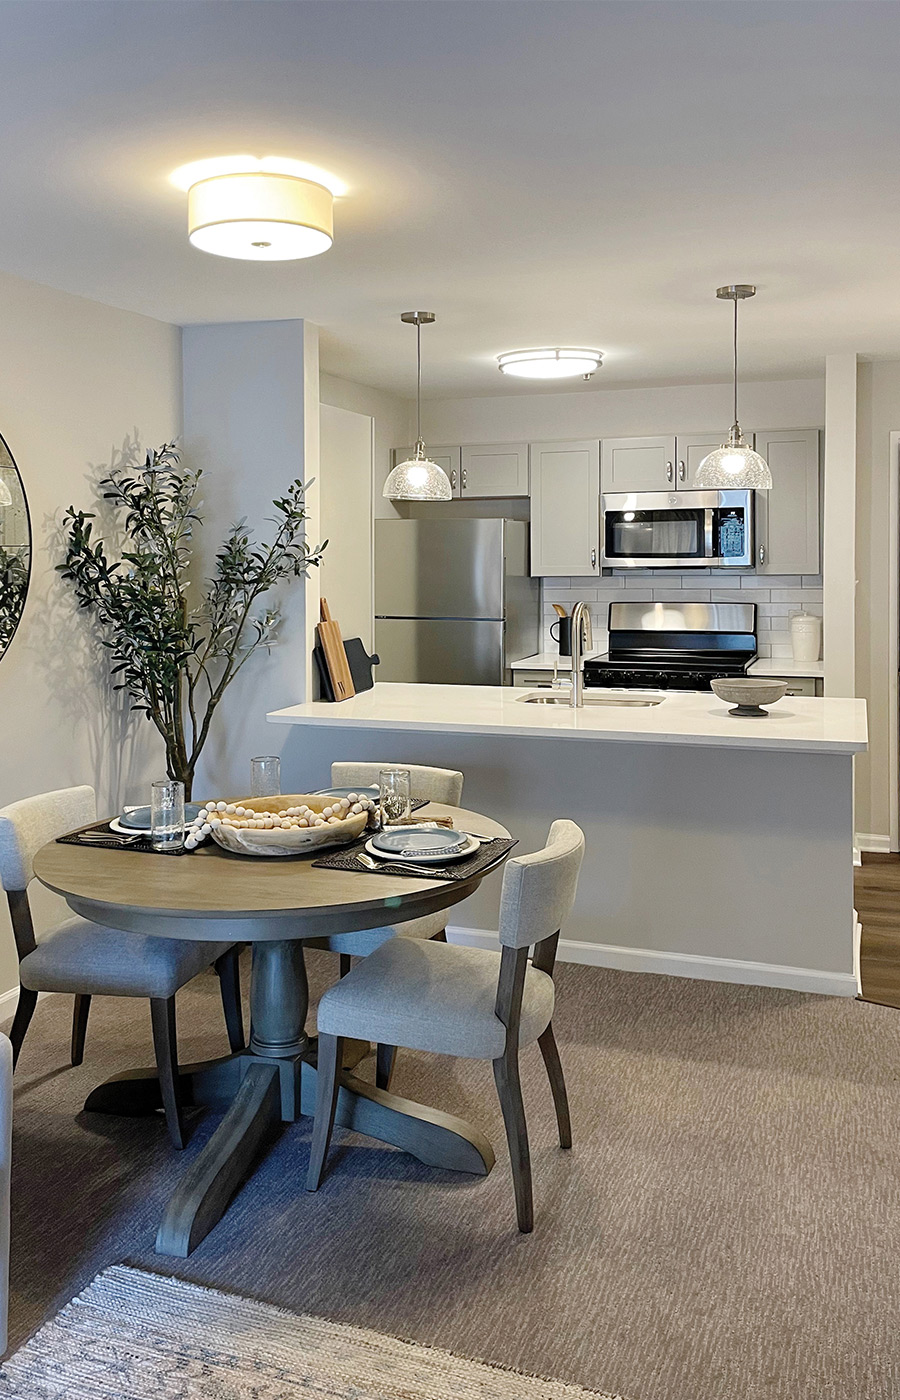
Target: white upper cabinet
(638, 464)
(446, 457)
(501, 470)
(565, 508)
(787, 517)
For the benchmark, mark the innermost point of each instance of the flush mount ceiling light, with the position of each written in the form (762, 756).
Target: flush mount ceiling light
(418, 479)
(267, 210)
(734, 466)
(553, 362)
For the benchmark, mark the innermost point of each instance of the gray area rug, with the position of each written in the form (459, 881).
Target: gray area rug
(727, 1226)
(139, 1336)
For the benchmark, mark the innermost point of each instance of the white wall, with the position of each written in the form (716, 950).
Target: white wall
(78, 378)
(345, 492)
(394, 418)
(791, 403)
(251, 397)
(878, 414)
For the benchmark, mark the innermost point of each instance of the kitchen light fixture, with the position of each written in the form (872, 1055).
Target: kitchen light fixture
(553, 362)
(734, 466)
(5, 494)
(266, 210)
(418, 479)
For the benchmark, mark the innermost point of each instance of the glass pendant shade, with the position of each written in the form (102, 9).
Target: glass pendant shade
(418, 479)
(5, 494)
(734, 467)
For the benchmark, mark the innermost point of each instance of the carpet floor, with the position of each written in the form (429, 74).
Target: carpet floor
(727, 1226)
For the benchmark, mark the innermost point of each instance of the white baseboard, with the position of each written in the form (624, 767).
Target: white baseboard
(9, 1001)
(872, 841)
(750, 974)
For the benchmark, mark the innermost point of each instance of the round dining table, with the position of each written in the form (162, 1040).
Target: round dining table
(277, 905)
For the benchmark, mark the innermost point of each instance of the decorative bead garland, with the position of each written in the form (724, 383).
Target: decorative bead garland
(214, 814)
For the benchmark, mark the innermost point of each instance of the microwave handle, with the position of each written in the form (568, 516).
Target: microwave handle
(708, 533)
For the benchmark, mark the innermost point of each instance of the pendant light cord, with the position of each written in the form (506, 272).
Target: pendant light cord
(419, 381)
(735, 361)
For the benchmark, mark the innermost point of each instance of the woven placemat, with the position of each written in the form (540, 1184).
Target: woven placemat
(488, 854)
(75, 838)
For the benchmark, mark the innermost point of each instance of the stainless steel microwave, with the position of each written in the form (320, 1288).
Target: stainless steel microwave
(677, 530)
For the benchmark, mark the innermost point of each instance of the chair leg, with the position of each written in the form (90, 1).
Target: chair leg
(345, 963)
(229, 972)
(328, 1083)
(79, 1026)
(162, 1014)
(22, 1019)
(509, 1090)
(553, 1065)
(385, 1059)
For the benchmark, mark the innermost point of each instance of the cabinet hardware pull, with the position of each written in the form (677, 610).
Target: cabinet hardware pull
(669, 472)
(453, 477)
(593, 558)
(681, 471)
(465, 477)
(762, 554)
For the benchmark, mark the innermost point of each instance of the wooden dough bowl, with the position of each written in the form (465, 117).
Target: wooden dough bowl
(250, 841)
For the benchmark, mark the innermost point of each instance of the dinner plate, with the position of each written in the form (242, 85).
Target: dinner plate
(419, 841)
(138, 818)
(346, 791)
(429, 858)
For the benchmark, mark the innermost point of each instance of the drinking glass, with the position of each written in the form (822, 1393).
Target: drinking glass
(393, 794)
(167, 816)
(265, 776)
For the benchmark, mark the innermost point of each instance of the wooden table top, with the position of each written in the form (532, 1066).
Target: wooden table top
(211, 884)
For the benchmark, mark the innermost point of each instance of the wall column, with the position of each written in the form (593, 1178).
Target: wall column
(839, 539)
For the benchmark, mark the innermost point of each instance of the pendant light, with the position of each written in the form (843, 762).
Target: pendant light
(5, 494)
(418, 479)
(734, 466)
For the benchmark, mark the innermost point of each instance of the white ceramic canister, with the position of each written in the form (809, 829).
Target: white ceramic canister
(806, 636)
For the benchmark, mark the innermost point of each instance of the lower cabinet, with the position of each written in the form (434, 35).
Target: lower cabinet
(565, 508)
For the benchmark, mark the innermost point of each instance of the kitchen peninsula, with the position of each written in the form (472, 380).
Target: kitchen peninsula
(717, 847)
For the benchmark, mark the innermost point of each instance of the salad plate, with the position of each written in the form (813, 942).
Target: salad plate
(422, 847)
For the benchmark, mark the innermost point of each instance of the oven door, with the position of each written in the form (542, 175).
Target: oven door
(693, 529)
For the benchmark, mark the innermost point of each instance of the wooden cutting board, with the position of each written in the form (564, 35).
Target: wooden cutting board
(329, 635)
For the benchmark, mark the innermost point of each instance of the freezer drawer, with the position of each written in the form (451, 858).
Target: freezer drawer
(439, 651)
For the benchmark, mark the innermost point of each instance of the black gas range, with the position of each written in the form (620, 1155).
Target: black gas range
(674, 646)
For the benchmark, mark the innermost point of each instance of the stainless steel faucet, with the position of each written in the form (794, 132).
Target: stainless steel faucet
(576, 694)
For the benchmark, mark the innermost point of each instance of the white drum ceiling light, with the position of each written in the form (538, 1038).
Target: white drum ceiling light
(268, 210)
(552, 362)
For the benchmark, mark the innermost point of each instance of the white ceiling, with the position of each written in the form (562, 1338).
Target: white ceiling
(535, 171)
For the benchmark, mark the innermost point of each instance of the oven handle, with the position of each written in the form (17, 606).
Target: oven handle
(708, 534)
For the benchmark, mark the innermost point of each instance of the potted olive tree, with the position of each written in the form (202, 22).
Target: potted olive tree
(175, 662)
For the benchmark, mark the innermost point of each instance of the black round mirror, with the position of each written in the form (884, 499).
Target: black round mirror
(15, 547)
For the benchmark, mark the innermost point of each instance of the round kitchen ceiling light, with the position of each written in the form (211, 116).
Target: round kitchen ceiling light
(552, 362)
(267, 210)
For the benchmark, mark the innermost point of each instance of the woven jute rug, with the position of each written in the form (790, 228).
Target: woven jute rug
(137, 1336)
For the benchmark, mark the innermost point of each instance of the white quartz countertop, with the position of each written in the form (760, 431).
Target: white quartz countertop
(546, 660)
(798, 723)
(764, 666)
(784, 666)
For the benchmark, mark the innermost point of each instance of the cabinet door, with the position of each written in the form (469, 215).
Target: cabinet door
(446, 457)
(495, 471)
(690, 449)
(787, 517)
(565, 508)
(638, 464)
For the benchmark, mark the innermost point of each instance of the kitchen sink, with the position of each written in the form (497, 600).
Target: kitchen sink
(630, 701)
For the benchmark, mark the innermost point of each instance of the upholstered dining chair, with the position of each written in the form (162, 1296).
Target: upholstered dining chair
(89, 960)
(468, 1002)
(437, 785)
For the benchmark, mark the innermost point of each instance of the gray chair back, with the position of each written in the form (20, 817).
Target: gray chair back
(28, 825)
(435, 784)
(539, 889)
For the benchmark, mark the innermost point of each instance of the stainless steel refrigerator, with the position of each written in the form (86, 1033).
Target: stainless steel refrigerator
(454, 602)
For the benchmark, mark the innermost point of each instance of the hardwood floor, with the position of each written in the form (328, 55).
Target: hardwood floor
(878, 906)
